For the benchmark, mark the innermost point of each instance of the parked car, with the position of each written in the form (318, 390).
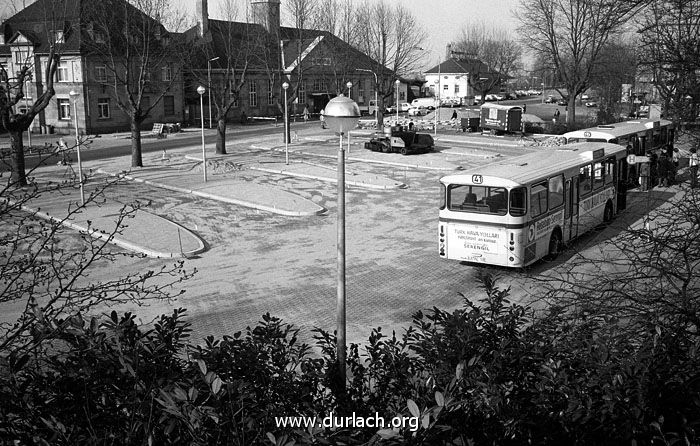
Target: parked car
(562, 101)
(585, 96)
(401, 141)
(511, 96)
(417, 111)
(477, 99)
(591, 104)
(550, 100)
(534, 92)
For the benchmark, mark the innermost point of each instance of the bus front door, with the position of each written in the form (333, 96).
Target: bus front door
(571, 210)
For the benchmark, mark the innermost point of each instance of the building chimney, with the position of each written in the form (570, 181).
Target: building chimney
(266, 13)
(202, 17)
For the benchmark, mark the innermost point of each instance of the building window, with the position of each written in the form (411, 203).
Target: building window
(168, 105)
(101, 74)
(58, 37)
(302, 91)
(62, 72)
(320, 85)
(98, 36)
(63, 109)
(103, 108)
(22, 57)
(361, 92)
(270, 93)
(166, 73)
(456, 88)
(252, 94)
(3, 71)
(322, 61)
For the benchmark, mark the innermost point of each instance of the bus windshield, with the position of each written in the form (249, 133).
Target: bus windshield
(486, 200)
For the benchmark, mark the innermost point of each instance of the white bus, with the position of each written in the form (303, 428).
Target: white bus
(642, 136)
(516, 211)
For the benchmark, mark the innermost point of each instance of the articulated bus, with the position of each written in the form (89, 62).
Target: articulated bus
(513, 212)
(640, 136)
(643, 135)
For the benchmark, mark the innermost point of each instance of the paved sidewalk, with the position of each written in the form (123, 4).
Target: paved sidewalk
(142, 231)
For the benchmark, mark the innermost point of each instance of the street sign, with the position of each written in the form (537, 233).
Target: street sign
(636, 159)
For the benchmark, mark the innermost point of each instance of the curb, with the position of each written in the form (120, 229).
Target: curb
(331, 180)
(207, 195)
(110, 238)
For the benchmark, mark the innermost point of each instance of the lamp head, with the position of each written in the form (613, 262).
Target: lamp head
(349, 85)
(201, 90)
(397, 82)
(285, 86)
(341, 114)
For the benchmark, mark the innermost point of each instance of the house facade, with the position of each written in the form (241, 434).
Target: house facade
(458, 79)
(25, 39)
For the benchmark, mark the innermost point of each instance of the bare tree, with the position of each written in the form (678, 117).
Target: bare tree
(13, 83)
(233, 45)
(670, 54)
(497, 51)
(46, 267)
(571, 34)
(141, 57)
(645, 271)
(617, 65)
(390, 36)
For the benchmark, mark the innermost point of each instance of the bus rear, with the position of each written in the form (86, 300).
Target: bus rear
(482, 220)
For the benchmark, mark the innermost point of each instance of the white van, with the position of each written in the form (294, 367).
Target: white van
(428, 103)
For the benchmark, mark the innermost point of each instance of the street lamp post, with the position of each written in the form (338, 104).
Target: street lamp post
(209, 84)
(285, 86)
(26, 109)
(349, 85)
(341, 115)
(437, 105)
(74, 95)
(398, 82)
(201, 91)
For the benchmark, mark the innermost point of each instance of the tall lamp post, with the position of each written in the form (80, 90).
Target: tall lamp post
(341, 116)
(398, 82)
(201, 91)
(74, 95)
(26, 109)
(209, 84)
(285, 86)
(437, 106)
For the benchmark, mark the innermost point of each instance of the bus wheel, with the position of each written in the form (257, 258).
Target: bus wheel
(608, 213)
(404, 151)
(554, 245)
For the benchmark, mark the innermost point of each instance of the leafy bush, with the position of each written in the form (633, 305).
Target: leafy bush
(490, 372)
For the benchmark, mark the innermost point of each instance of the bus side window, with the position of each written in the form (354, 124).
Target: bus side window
(598, 175)
(584, 180)
(538, 199)
(518, 201)
(556, 191)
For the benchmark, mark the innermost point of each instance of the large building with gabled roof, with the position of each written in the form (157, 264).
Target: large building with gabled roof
(316, 64)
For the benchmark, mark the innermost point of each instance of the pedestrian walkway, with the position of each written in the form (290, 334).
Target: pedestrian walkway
(142, 231)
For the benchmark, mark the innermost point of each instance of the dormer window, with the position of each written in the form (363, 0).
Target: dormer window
(22, 57)
(2, 39)
(99, 37)
(58, 37)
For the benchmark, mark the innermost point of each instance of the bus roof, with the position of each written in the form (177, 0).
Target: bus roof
(499, 106)
(618, 129)
(525, 169)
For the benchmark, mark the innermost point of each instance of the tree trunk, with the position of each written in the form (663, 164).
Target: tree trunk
(17, 175)
(571, 108)
(221, 135)
(136, 160)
